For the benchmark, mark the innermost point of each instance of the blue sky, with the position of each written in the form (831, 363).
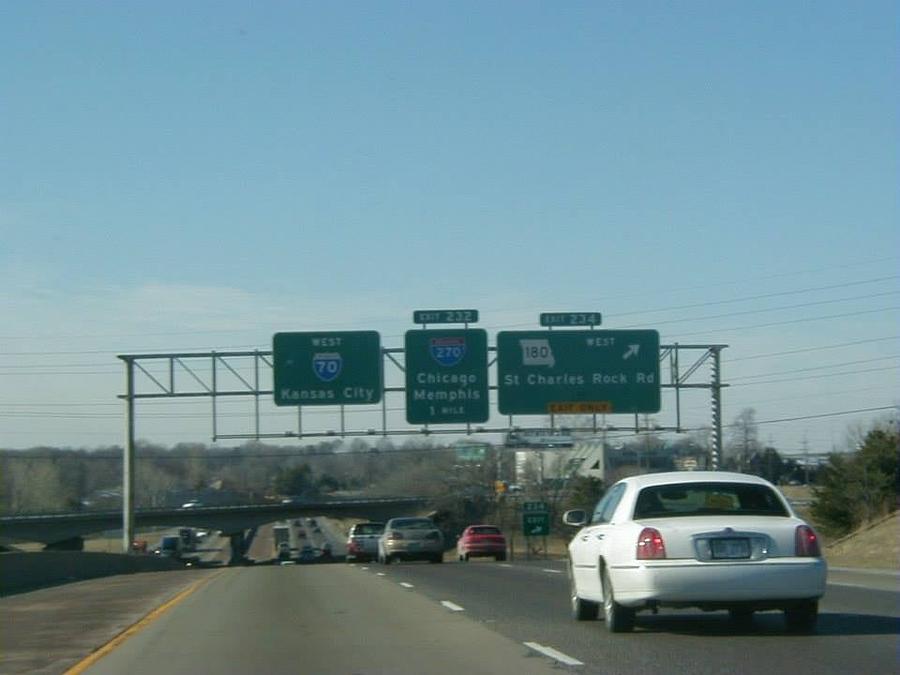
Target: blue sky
(199, 177)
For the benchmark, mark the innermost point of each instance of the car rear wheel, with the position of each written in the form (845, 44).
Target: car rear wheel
(619, 619)
(802, 618)
(438, 558)
(582, 610)
(500, 557)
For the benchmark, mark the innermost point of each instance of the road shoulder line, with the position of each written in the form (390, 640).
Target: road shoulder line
(138, 626)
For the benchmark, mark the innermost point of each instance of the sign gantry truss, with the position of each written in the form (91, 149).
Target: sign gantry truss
(217, 375)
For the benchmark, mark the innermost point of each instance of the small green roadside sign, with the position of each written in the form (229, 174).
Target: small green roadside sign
(578, 372)
(535, 524)
(311, 368)
(446, 376)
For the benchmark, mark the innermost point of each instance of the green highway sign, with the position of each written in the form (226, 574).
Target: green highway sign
(578, 372)
(551, 319)
(446, 376)
(327, 368)
(536, 524)
(472, 453)
(426, 316)
(535, 507)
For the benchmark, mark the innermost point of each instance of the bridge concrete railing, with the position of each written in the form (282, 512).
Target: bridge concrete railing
(25, 571)
(50, 528)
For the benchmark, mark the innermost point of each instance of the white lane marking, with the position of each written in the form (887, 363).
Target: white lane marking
(363, 568)
(406, 585)
(553, 654)
(505, 565)
(547, 569)
(381, 574)
(451, 606)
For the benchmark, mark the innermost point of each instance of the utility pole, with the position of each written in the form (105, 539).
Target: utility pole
(805, 461)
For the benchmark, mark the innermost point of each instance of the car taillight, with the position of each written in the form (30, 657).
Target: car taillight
(650, 545)
(395, 535)
(806, 542)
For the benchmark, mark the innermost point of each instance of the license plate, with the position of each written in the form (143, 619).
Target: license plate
(730, 549)
(413, 545)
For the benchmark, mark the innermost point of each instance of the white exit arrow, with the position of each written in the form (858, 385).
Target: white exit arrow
(632, 351)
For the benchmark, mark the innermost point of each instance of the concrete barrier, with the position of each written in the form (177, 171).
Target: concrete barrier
(24, 571)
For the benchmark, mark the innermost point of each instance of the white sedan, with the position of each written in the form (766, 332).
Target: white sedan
(712, 540)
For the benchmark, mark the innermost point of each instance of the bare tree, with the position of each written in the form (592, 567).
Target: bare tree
(744, 438)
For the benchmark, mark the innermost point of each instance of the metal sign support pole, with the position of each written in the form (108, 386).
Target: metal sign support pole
(716, 396)
(256, 394)
(128, 461)
(215, 427)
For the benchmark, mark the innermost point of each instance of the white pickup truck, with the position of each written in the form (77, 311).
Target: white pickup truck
(362, 541)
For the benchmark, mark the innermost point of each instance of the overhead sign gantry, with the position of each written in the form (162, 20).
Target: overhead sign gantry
(548, 372)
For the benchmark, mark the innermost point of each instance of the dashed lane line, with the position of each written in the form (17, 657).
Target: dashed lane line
(406, 585)
(554, 654)
(547, 569)
(452, 606)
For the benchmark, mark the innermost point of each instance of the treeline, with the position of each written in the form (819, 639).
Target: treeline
(45, 479)
(849, 490)
(859, 487)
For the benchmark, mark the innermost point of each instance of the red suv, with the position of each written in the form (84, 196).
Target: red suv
(481, 540)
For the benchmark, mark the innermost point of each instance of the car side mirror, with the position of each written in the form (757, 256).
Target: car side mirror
(575, 518)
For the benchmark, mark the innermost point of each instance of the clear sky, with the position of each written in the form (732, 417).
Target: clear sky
(201, 175)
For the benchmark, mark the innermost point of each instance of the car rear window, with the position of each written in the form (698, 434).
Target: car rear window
(485, 530)
(412, 524)
(368, 528)
(700, 499)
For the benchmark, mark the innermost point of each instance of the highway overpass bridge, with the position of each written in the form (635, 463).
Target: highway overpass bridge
(66, 530)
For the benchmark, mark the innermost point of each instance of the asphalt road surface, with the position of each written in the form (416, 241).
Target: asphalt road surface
(477, 617)
(314, 619)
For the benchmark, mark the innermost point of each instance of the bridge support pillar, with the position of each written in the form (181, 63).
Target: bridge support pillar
(238, 548)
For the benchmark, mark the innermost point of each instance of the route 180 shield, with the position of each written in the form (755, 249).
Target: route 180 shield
(327, 365)
(447, 351)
